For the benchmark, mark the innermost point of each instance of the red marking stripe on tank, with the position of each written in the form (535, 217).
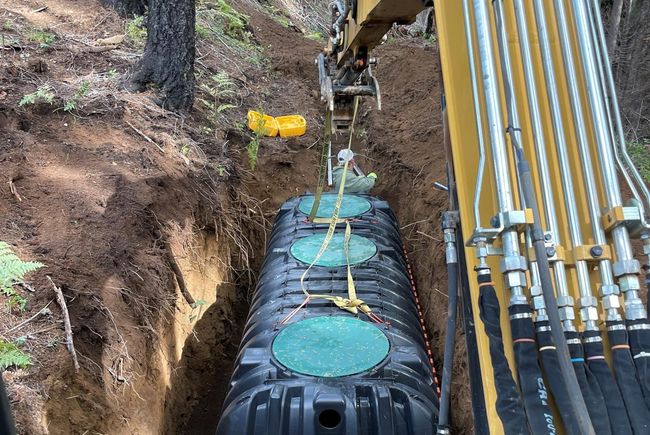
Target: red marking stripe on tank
(422, 324)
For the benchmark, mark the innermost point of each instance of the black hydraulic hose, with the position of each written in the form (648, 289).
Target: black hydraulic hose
(577, 402)
(592, 395)
(508, 405)
(551, 367)
(625, 373)
(598, 368)
(6, 421)
(639, 336)
(531, 382)
(450, 344)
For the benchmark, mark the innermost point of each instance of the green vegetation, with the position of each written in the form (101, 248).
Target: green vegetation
(223, 92)
(44, 94)
(217, 21)
(11, 356)
(44, 39)
(198, 304)
(12, 272)
(279, 16)
(315, 36)
(83, 90)
(8, 25)
(136, 32)
(253, 147)
(640, 153)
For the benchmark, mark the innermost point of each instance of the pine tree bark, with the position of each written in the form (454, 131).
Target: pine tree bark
(127, 8)
(168, 60)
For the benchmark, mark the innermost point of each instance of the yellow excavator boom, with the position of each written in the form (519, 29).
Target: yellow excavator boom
(539, 168)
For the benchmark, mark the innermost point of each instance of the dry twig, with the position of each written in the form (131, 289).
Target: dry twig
(146, 137)
(66, 323)
(23, 323)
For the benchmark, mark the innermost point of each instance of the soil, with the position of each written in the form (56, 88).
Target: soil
(128, 206)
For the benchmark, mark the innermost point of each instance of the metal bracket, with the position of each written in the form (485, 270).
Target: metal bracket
(627, 216)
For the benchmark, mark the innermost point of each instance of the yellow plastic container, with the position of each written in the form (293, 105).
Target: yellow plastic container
(266, 123)
(292, 125)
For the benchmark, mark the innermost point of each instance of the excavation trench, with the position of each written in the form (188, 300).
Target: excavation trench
(203, 339)
(207, 346)
(405, 148)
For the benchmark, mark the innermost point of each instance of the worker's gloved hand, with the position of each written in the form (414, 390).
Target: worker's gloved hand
(372, 175)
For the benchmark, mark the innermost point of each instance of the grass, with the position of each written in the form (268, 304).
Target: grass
(315, 36)
(43, 38)
(219, 23)
(253, 147)
(640, 153)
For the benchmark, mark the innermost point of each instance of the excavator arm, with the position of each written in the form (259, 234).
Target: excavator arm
(560, 339)
(345, 66)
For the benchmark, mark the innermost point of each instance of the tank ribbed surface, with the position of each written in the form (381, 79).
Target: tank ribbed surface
(396, 396)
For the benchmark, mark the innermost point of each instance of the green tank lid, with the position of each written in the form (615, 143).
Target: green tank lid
(351, 206)
(330, 346)
(305, 250)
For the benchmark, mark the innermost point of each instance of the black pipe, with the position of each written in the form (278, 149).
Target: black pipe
(449, 226)
(625, 373)
(508, 405)
(578, 406)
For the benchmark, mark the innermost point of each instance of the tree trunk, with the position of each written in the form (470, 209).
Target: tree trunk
(168, 60)
(127, 8)
(614, 24)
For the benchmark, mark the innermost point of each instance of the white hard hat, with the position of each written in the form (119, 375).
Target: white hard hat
(344, 155)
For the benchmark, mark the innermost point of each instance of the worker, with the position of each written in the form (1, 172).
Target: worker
(355, 181)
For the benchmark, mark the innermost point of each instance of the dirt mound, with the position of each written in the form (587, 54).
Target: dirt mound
(137, 213)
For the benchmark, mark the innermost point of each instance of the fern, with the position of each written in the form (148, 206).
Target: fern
(10, 356)
(13, 269)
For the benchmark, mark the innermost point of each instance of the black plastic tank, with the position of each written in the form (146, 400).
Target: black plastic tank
(327, 371)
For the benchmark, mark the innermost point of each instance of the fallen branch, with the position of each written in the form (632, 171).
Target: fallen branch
(66, 323)
(101, 49)
(145, 136)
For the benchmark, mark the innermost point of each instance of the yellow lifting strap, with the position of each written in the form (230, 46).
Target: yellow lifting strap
(324, 157)
(351, 303)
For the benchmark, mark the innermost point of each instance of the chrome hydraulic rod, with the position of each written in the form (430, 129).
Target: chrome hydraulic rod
(600, 63)
(609, 291)
(535, 289)
(588, 303)
(513, 264)
(477, 115)
(626, 268)
(564, 301)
